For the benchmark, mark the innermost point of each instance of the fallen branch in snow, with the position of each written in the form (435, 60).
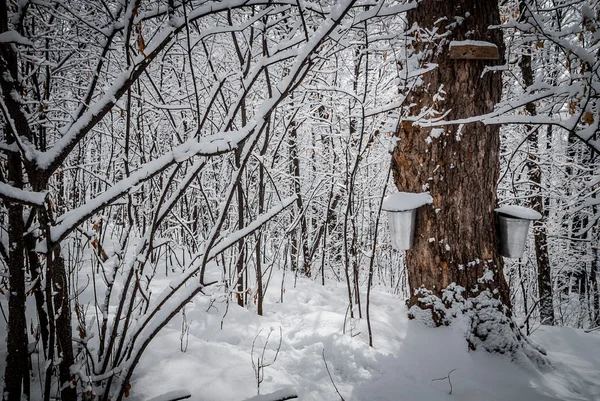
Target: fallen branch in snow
(331, 378)
(592, 329)
(173, 396)
(279, 395)
(446, 377)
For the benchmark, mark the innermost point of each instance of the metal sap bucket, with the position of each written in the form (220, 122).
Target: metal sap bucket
(402, 228)
(513, 226)
(513, 235)
(401, 208)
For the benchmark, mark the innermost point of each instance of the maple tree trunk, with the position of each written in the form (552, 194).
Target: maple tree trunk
(456, 239)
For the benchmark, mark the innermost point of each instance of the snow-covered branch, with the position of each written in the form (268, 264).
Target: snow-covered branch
(13, 194)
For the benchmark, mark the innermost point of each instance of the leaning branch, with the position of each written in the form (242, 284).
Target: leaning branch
(168, 306)
(208, 146)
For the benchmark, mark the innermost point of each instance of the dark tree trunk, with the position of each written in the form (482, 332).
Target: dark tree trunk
(594, 235)
(259, 245)
(16, 372)
(64, 332)
(304, 267)
(594, 271)
(594, 268)
(546, 304)
(261, 209)
(240, 264)
(456, 240)
(35, 271)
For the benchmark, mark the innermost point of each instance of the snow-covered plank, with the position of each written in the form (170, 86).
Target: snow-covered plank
(473, 50)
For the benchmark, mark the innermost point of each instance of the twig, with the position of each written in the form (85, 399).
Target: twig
(260, 365)
(446, 377)
(331, 378)
(592, 329)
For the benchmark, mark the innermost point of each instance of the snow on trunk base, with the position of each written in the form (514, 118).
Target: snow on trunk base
(402, 201)
(519, 212)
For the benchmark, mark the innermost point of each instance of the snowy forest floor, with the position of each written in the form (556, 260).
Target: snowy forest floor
(406, 358)
(403, 364)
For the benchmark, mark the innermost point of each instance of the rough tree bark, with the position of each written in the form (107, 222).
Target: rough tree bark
(456, 241)
(16, 373)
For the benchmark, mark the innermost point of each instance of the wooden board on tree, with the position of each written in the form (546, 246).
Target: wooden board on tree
(473, 50)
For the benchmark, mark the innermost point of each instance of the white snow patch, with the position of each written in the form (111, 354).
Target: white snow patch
(20, 195)
(402, 201)
(480, 43)
(434, 134)
(14, 37)
(587, 12)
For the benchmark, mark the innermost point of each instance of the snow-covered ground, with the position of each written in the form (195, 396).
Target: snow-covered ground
(403, 365)
(406, 358)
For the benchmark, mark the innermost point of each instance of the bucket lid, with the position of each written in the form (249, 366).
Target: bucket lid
(403, 201)
(518, 212)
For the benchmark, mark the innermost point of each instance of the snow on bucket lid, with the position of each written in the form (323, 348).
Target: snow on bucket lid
(519, 212)
(403, 201)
